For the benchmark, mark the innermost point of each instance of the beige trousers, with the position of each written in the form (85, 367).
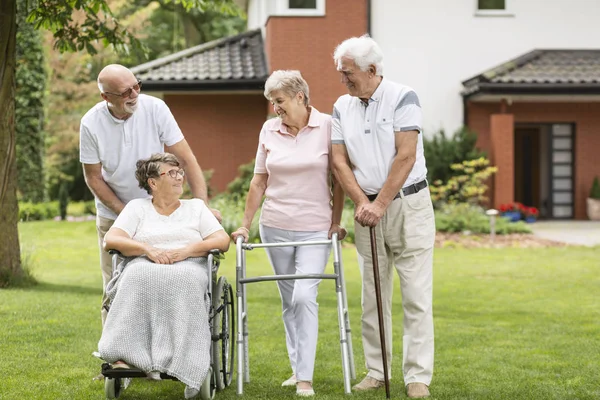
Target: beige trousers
(103, 225)
(405, 240)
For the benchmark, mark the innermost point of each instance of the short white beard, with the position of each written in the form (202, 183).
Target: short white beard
(130, 109)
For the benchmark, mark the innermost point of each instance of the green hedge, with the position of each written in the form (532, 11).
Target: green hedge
(40, 211)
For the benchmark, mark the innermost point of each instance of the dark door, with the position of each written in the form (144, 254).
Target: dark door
(527, 166)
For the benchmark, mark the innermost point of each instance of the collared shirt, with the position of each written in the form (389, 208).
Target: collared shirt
(297, 195)
(118, 144)
(368, 132)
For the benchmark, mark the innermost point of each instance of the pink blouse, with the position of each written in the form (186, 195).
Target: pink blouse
(298, 195)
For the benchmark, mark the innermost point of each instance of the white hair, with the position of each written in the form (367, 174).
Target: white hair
(363, 50)
(288, 81)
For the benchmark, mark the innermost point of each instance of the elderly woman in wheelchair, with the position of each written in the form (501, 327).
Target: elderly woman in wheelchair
(158, 319)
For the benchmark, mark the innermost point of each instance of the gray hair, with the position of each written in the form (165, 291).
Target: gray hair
(363, 50)
(288, 81)
(150, 168)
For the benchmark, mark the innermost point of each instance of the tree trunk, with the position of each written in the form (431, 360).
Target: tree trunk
(10, 255)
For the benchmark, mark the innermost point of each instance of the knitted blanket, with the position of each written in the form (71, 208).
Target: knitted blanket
(158, 319)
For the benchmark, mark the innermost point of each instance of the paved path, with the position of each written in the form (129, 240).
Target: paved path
(585, 233)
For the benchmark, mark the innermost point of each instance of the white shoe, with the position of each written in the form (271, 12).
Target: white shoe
(190, 392)
(153, 375)
(305, 392)
(290, 382)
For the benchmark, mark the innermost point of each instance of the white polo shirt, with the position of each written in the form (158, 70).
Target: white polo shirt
(368, 132)
(118, 144)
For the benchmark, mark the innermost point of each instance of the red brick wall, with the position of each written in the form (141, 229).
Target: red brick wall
(307, 44)
(585, 116)
(222, 130)
(502, 155)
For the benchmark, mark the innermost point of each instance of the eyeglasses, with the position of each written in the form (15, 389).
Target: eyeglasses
(174, 172)
(137, 87)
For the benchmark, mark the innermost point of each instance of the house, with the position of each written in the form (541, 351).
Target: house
(524, 75)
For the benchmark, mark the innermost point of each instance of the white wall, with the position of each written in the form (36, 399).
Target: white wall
(434, 45)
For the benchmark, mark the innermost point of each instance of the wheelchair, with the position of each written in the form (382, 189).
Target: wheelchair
(222, 328)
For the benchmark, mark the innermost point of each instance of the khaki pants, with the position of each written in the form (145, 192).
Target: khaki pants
(405, 240)
(103, 225)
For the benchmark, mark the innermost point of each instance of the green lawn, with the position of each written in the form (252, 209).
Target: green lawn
(510, 324)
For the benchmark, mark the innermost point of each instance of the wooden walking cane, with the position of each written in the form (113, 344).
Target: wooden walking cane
(379, 310)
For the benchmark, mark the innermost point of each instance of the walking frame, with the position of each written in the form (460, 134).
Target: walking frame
(243, 364)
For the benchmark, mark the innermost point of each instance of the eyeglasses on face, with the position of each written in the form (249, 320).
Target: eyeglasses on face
(173, 173)
(137, 87)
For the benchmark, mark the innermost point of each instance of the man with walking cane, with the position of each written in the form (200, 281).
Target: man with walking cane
(378, 158)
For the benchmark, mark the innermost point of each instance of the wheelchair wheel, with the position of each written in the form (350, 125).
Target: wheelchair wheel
(223, 333)
(208, 388)
(112, 387)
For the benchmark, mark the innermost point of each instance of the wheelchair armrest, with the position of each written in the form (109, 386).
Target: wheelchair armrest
(217, 254)
(113, 252)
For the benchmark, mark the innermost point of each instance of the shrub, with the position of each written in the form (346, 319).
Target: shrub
(466, 217)
(81, 208)
(38, 211)
(441, 152)
(241, 184)
(595, 191)
(467, 186)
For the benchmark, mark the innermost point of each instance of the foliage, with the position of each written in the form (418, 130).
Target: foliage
(232, 210)
(595, 191)
(467, 186)
(240, 186)
(464, 217)
(441, 152)
(207, 173)
(63, 200)
(168, 28)
(38, 211)
(81, 208)
(29, 109)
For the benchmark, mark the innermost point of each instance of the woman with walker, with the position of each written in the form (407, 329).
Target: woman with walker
(293, 171)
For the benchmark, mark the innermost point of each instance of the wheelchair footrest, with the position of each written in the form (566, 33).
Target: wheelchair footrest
(110, 372)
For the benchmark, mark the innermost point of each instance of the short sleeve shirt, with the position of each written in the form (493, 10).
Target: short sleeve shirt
(368, 132)
(298, 195)
(191, 222)
(119, 144)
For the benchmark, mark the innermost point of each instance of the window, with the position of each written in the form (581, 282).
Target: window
(488, 4)
(298, 8)
(303, 4)
(493, 8)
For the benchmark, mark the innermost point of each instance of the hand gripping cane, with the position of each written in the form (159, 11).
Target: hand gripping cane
(379, 310)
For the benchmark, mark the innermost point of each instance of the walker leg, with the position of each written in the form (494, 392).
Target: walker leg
(341, 318)
(245, 325)
(346, 314)
(240, 317)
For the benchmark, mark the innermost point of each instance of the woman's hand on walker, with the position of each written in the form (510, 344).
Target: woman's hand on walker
(241, 231)
(335, 228)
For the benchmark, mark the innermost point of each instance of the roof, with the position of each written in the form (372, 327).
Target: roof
(232, 63)
(541, 72)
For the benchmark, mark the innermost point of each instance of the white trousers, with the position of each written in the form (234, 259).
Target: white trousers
(298, 298)
(102, 226)
(405, 239)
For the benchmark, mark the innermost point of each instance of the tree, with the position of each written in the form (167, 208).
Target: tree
(77, 25)
(29, 109)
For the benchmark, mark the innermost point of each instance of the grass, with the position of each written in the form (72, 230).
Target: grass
(510, 324)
